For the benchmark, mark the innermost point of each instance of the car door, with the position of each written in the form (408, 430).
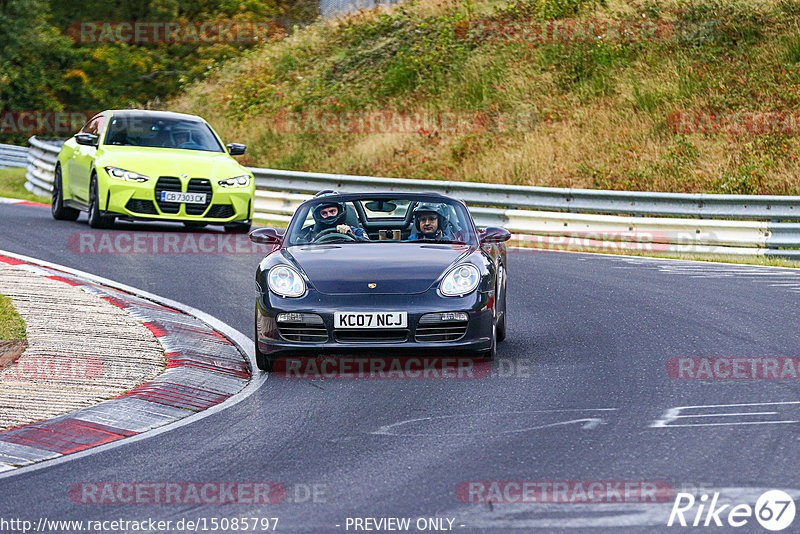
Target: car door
(83, 156)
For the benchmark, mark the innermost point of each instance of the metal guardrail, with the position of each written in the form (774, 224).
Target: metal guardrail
(737, 207)
(41, 167)
(553, 218)
(13, 156)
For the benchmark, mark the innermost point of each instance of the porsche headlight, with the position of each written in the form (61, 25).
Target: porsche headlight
(286, 282)
(236, 181)
(128, 176)
(460, 280)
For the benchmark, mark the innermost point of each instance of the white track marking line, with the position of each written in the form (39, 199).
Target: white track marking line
(731, 424)
(589, 422)
(672, 414)
(244, 344)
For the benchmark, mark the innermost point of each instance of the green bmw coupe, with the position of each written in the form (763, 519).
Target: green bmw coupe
(152, 165)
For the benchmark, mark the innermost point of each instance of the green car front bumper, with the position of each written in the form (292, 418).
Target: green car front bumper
(143, 200)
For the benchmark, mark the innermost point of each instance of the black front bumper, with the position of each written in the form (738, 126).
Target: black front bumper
(476, 338)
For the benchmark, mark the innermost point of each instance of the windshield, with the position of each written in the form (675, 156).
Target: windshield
(382, 220)
(161, 133)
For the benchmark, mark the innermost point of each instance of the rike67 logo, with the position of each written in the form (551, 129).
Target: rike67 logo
(774, 510)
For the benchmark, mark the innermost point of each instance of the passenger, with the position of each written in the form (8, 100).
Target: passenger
(330, 215)
(431, 224)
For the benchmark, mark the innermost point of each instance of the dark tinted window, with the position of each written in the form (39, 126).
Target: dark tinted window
(161, 133)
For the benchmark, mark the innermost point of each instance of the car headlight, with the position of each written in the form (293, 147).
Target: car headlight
(460, 280)
(128, 176)
(236, 181)
(285, 281)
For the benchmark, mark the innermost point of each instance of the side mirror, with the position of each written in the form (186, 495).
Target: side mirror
(266, 236)
(86, 139)
(494, 234)
(236, 149)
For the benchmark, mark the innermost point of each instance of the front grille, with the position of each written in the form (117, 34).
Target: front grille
(168, 183)
(303, 333)
(220, 211)
(141, 206)
(444, 331)
(199, 185)
(375, 335)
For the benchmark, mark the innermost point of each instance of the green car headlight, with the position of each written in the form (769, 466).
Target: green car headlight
(236, 181)
(128, 176)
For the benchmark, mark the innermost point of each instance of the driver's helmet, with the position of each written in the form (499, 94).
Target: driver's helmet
(331, 222)
(426, 207)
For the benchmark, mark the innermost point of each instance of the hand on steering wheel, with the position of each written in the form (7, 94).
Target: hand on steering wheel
(332, 234)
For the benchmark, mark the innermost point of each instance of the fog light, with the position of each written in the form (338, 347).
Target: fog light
(299, 318)
(444, 317)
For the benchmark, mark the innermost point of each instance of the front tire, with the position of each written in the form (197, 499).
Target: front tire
(501, 323)
(96, 219)
(263, 361)
(489, 355)
(57, 208)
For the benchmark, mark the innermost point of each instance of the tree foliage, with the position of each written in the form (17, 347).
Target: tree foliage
(43, 66)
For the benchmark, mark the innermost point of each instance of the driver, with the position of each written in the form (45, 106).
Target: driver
(327, 216)
(182, 137)
(430, 223)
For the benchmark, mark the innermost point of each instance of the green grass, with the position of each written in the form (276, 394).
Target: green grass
(597, 112)
(741, 260)
(12, 185)
(12, 327)
(268, 223)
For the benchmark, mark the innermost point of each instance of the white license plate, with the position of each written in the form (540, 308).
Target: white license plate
(370, 320)
(185, 198)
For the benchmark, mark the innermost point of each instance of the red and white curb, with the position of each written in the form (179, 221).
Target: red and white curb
(4, 200)
(205, 368)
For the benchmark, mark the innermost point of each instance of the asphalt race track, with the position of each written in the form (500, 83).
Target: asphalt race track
(579, 393)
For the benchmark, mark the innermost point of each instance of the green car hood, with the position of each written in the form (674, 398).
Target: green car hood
(155, 162)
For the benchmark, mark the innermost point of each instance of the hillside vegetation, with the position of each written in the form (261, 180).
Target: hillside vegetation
(571, 112)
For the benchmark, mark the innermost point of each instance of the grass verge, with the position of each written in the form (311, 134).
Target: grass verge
(737, 259)
(12, 327)
(12, 185)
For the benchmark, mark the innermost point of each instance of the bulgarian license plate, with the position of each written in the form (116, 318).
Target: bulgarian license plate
(370, 320)
(184, 198)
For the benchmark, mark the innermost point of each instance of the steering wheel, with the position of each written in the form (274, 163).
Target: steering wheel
(331, 234)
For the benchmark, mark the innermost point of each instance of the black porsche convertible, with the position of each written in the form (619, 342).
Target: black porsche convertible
(378, 273)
